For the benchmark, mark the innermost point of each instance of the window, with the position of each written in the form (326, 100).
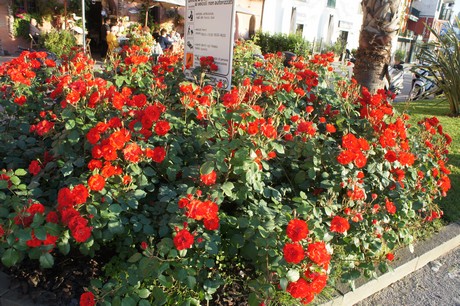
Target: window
(331, 3)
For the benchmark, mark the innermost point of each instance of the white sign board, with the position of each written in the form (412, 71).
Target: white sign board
(209, 27)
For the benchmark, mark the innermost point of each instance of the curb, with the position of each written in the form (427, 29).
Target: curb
(447, 239)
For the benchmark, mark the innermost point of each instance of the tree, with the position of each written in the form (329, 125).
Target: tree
(380, 26)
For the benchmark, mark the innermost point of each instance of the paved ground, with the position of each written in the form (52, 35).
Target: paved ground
(436, 284)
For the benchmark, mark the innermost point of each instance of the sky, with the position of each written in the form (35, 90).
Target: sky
(456, 7)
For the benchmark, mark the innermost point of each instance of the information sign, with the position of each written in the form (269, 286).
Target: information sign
(209, 26)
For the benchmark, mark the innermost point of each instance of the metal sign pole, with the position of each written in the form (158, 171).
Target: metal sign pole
(84, 24)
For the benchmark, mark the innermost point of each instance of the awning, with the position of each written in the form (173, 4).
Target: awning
(169, 3)
(243, 10)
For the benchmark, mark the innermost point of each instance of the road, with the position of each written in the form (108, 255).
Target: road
(436, 284)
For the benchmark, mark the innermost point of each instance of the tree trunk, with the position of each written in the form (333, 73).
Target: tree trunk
(380, 26)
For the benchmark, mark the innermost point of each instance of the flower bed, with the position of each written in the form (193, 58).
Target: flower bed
(292, 175)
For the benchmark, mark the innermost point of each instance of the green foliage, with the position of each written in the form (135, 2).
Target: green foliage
(21, 25)
(442, 59)
(272, 43)
(59, 42)
(400, 55)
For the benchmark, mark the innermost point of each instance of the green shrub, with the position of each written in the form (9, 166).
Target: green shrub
(272, 43)
(59, 42)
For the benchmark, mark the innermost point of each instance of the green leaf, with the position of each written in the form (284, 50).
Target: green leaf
(10, 257)
(143, 293)
(40, 233)
(128, 301)
(15, 180)
(159, 295)
(115, 208)
(74, 136)
(46, 260)
(227, 188)
(20, 172)
(69, 124)
(135, 257)
(207, 167)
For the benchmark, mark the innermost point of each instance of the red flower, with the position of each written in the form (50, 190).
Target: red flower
(318, 281)
(96, 182)
(390, 256)
(34, 167)
(390, 206)
(132, 152)
(300, 289)
(339, 225)
(80, 194)
(318, 254)
(118, 139)
(162, 127)
(297, 230)
(293, 253)
(21, 100)
(144, 245)
(211, 224)
(81, 233)
(209, 179)
(158, 154)
(87, 299)
(183, 240)
(52, 217)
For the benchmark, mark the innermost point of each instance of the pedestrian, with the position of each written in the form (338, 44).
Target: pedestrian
(105, 30)
(164, 40)
(34, 30)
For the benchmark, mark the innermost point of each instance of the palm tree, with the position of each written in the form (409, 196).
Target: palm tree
(380, 26)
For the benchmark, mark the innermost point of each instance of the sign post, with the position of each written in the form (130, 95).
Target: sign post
(209, 31)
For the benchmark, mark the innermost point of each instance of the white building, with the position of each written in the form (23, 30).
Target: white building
(319, 21)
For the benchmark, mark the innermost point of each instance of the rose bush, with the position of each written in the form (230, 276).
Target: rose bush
(292, 175)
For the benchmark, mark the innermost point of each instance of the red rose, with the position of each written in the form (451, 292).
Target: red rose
(79, 194)
(293, 253)
(52, 217)
(390, 206)
(339, 225)
(297, 230)
(162, 127)
(211, 224)
(81, 233)
(87, 299)
(318, 254)
(300, 289)
(209, 179)
(183, 240)
(34, 167)
(20, 100)
(158, 154)
(96, 182)
(390, 256)
(132, 152)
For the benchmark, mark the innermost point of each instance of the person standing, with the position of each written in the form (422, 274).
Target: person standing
(164, 40)
(105, 30)
(34, 30)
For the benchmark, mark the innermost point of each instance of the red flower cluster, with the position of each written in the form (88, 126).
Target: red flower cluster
(201, 210)
(354, 149)
(310, 283)
(207, 63)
